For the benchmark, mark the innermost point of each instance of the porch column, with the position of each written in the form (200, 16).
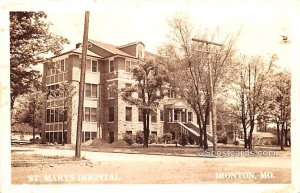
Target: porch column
(172, 113)
(186, 115)
(179, 115)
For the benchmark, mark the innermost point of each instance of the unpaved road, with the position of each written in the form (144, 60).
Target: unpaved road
(123, 168)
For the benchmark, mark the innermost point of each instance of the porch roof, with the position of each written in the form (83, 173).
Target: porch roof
(176, 105)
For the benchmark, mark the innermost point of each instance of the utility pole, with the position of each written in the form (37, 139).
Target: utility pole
(213, 112)
(81, 85)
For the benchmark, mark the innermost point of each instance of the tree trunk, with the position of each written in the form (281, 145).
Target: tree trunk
(146, 118)
(282, 135)
(33, 130)
(245, 136)
(205, 145)
(63, 129)
(278, 133)
(286, 135)
(200, 132)
(250, 141)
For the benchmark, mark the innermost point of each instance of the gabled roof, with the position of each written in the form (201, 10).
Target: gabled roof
(130, 44)
(89, 53)
(110, 48)
(79, 51)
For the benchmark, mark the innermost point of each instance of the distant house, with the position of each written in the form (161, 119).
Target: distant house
(24, 131)
(263, 138)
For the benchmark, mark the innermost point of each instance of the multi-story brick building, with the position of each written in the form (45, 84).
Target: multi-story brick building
(106, 115)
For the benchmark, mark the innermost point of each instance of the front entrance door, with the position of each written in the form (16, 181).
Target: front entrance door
(111, 137)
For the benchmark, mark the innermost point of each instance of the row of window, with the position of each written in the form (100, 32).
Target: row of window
(59, 66)
(58, 115)
(55, 115)
(55, 78)
(88, 135)
(128, 115)
(128, 65)
(91, 90)
(90, 115)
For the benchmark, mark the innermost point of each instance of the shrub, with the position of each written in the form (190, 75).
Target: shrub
(222, 139)
(183, 139)
(236, 143)
(191, 141)
(140, 137)
(128, 138)
(152, 138)
(274, 141)
(166, 137)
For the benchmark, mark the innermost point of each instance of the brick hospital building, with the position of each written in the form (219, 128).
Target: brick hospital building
(106, 115)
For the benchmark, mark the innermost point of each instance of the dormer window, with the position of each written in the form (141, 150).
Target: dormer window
(140, 51)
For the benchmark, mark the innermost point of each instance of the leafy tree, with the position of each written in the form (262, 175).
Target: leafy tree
(188, 68)
(278, 105)
(30, 41)
(30, 108)
(150, 78)
(250, 88)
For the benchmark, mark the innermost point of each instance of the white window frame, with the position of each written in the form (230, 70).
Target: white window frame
(137, 51)
(111, 60)
(96, 66)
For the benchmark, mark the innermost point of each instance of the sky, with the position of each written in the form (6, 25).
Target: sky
(119, 22)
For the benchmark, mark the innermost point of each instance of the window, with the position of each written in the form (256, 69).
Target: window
(94, 66)
(87, 114)
(129, 132)
(48, 115)
(111, 114)
(93, 135)
(90, 114)
(62, 115)
(56, 115)
(88, 90)
(88, 135)
(94, 91)
(154, 133)
(161, 115)
(111, 66)
(53, 90)
(91, 90)
(62, 65)
(93, 115)
(153, 116)
(128, 90)
(190, 118)
(127, 66)
(51, 115)
(140, 115)
(128, 114)
(140, 51)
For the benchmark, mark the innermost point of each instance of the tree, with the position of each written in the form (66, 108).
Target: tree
(250, 88)
(63, 99)
(279, 105)
(30, 108)
(30, 41)
(150, 78)
(188, 68)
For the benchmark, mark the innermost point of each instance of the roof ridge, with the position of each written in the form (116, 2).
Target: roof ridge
(131, 43)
